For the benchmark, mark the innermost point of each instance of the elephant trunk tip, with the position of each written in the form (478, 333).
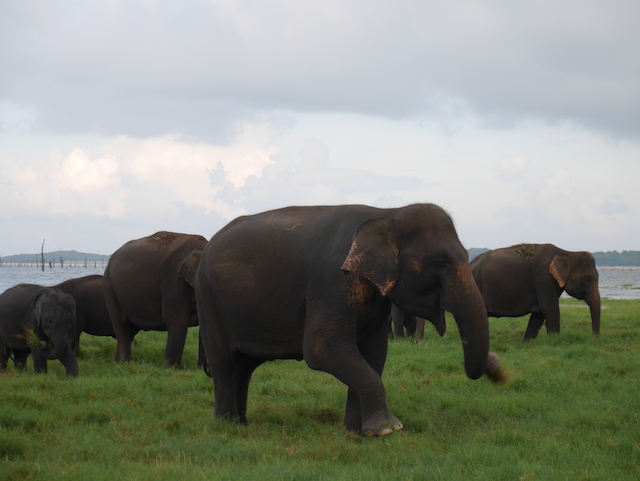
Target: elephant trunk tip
(494, 369)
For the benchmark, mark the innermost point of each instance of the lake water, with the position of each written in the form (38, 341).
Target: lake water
(615, 282)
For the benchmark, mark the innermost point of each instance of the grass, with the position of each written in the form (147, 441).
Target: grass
(569, 412)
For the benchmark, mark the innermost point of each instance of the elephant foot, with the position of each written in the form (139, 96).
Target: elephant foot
(381, 425)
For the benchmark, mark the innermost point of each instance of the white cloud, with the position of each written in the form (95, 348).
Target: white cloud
(89, 177)
(511, 169)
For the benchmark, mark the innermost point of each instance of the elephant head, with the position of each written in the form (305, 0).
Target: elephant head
(55, 315)
(417, 257)
(576, 273)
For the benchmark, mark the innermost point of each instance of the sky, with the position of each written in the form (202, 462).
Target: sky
(120, 118)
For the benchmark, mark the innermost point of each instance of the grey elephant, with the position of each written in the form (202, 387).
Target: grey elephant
(92, 315)
(148, 285)
(529, 278)
(414, 325)
(317, 283)
(33, 319)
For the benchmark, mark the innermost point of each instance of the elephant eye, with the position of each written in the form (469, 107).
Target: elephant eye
(440, 263)
(49, 321)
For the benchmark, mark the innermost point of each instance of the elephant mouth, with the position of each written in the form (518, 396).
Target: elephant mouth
(32, 338)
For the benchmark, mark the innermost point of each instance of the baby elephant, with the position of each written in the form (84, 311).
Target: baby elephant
(32, 320)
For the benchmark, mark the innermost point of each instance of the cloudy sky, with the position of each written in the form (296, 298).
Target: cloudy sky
(119, 118)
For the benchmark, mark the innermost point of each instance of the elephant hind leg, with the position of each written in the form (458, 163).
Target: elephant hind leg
(245, 371)
(125, 332)
(4, 355)
(535, 323)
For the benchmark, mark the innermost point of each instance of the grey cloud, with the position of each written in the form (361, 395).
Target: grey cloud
(615, 206)
(217, 176)
(145, 68)
(287, 183)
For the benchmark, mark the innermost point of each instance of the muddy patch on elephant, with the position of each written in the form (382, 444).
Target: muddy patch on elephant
(524, 251)
(163, 238)
(359, 291)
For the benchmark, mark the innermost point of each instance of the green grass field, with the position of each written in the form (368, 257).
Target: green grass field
(571, 411)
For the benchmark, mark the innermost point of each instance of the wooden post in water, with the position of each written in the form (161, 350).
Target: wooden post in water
(42, 255)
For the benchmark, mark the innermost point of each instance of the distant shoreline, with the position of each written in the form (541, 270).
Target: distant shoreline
(618, 267)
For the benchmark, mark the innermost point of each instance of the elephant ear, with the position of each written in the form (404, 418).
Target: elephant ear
(373, 254)
(36, 307)
(189, 267)
(560, 269)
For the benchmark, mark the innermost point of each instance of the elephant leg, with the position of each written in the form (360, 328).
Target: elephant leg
(69, 361)
(202, 355)
(4, 355)
(419, 328)
(552, 315)
(359, 367)
(20, 358)
(125, 332)
(246, 367)
(225, 373)
(398, 318)
(176, 315)
(39, 361)
(535, 323)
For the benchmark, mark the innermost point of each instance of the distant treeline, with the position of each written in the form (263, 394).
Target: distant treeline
(615, 258)
(57, 259)
(610, 258)
(62, 258)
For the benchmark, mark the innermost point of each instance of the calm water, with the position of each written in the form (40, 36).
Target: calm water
(615, 283)
(12, 275)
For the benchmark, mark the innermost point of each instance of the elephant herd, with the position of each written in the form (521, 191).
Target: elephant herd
(313, 283)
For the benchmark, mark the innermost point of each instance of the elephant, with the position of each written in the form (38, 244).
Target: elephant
(400, 321)
(529, 278)
(92, 315)
(32, 319)
(317, 283)
(148, 285)
(414, 325)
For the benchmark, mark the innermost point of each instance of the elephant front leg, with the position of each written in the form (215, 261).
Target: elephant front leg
(69, 361)
(39, 361)
(535, 323)
(176, 339)
(359, 367)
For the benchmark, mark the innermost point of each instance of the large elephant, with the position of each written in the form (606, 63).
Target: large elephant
(29, 310)
(92, 315)
(317, 283)
(529, 278)
(148, 285)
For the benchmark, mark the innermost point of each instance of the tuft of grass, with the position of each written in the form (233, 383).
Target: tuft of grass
(568, 411)
(31, 337)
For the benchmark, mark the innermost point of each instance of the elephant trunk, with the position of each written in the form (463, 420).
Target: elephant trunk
(462, 298)
(593, 300)
(64, 352)
(59, 342)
